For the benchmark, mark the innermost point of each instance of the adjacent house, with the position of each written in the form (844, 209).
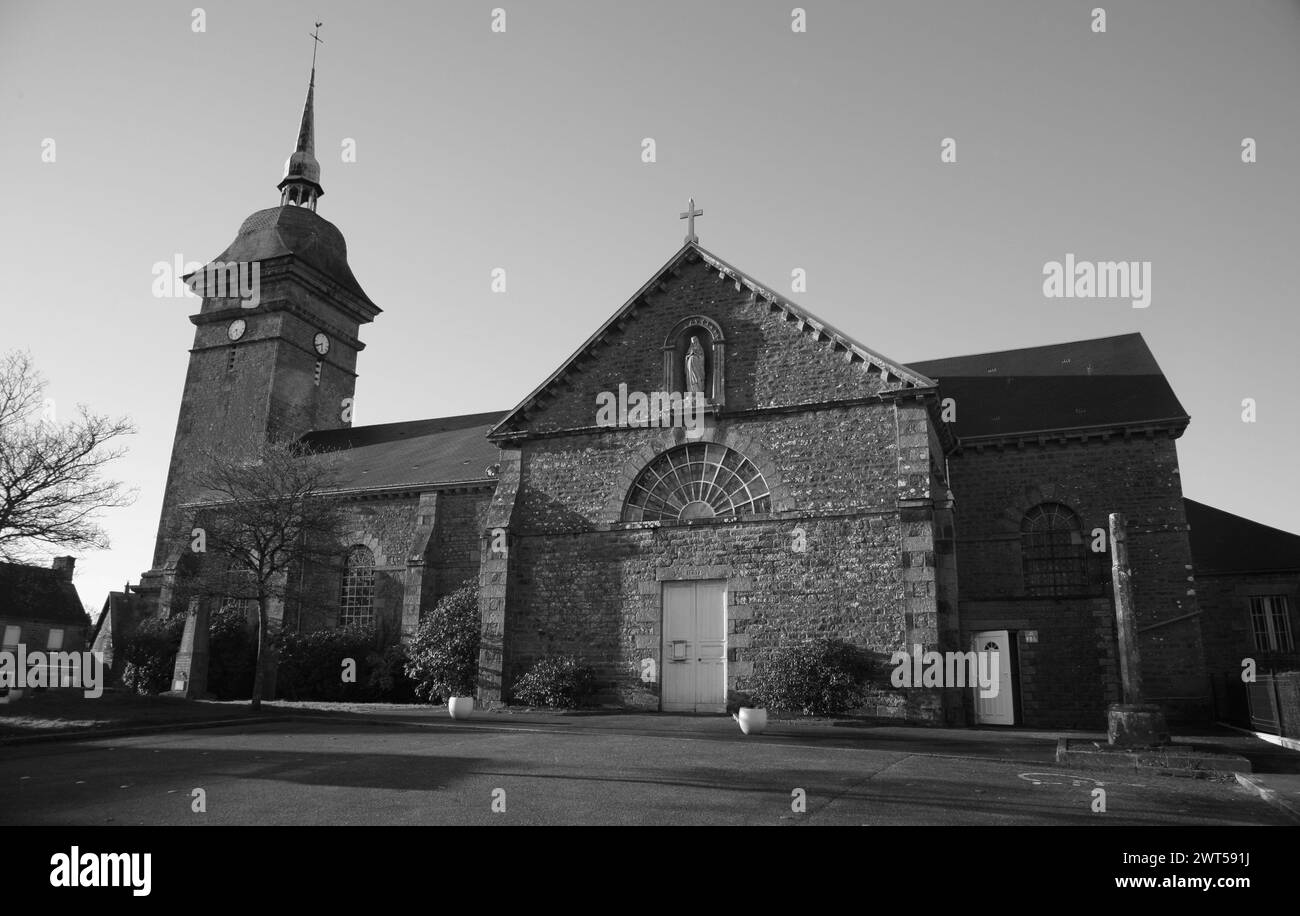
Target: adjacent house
(40, 608)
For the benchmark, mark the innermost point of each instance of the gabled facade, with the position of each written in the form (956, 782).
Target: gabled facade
(809, 500)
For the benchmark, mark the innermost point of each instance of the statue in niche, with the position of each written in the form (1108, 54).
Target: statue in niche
(695, 366)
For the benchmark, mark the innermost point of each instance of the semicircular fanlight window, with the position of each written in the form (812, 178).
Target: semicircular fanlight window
(1053, 550)
(697, 481)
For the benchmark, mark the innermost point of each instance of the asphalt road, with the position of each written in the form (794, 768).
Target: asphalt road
(336, 772)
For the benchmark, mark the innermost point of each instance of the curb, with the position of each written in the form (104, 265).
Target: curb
(1185, 760)
(91, 734)
(1269, 795)
(1291, 744)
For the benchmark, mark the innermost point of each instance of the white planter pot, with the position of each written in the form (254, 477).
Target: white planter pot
(752, 721)
(460, 707)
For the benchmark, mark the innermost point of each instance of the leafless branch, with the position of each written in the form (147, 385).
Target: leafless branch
(52, 483)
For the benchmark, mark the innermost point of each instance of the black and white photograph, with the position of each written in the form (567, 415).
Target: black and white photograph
(676, 414)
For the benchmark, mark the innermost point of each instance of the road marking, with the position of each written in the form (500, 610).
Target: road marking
(1051, 779)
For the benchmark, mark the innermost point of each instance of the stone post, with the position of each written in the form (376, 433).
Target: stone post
(1132, 723)
(495, 545)
(190, 676)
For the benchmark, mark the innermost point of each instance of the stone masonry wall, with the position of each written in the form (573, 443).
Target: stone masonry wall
(394, 530)
(846, 454)
(1228, 636)
(582, 581)
(1137, 476)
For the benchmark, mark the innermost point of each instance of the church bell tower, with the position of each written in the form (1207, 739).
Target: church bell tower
(275, 340)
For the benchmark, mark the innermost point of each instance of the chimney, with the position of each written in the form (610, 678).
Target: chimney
(64, 566)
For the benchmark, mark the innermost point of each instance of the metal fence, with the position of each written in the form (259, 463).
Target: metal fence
(1265, 705)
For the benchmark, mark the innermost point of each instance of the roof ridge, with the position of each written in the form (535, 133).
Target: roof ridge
(396, 423)
(1048, 346)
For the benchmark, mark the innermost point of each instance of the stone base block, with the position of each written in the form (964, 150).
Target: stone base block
(1136, 725)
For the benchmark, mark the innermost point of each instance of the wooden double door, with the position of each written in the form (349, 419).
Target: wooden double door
(695, 646)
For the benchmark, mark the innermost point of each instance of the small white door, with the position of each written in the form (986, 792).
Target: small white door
(999, 709)
(695, 647)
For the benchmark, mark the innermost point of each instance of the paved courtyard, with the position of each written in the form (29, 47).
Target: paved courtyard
(584, 770)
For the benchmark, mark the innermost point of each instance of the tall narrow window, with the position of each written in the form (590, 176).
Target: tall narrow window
(356, 603)
(1055, 556)
(1270, 624)
(245, 606)
(239, 592)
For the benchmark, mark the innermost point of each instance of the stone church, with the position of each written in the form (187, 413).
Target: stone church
(765, 479)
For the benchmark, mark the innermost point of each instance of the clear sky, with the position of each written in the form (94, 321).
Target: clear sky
(523, 150)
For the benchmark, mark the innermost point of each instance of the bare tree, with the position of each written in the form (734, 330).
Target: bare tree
(262, 511)
(52, 486)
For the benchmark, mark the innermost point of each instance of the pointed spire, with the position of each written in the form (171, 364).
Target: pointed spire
(307, 130)
(300, 186)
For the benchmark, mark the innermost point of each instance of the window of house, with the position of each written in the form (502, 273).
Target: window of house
(697, 481)
(13, 635)
(356, 601)
(1270, 623)
(55, 638)
(1054, 553)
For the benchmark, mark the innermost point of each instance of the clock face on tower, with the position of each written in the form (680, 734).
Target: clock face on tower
(236, 329)
(322, 344)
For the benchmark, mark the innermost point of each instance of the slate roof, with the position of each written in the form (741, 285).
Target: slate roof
(414, 454)
(1227, 543)
(37, 593)
(1105, 382)
(298, 231)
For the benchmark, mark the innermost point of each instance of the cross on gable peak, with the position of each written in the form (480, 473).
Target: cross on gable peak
(689, 216)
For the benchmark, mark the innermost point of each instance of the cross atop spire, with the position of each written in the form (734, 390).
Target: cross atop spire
(315, 36)
(689, 216)
(300, 186)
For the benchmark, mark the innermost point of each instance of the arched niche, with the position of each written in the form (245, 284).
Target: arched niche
(714, 343)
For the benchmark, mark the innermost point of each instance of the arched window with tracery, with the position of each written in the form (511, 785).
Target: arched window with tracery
(699, 480)
(240, 592)
(1054, 553)
(357, 596)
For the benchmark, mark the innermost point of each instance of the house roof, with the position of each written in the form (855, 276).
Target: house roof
(415, 454)
(115, 603)
(1223, 542)
(37, 593)
(809, 323)
(1104, 382)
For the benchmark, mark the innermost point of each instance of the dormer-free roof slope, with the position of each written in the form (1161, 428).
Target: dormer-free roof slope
(1084, 384)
